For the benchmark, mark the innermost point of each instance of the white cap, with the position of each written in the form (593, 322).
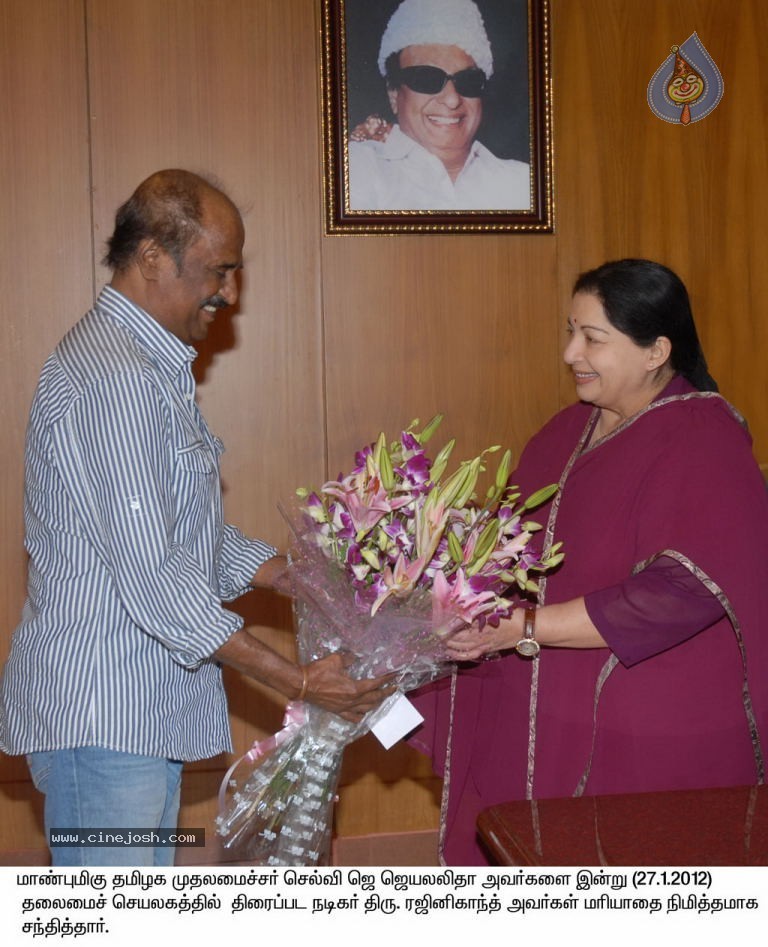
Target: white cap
(438, 22)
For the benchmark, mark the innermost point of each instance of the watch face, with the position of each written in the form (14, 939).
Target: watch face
(528, 647)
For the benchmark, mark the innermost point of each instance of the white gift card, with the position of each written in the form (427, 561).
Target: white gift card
(399, 720)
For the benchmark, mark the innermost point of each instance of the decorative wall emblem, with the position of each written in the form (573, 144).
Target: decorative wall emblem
(687, 85)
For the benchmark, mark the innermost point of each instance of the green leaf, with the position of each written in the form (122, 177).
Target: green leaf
(484, 548)
(429, 429)
(371, 558)
(502, 472)
(385, 466)
(488, 537)
(441, 461)
(454, 547)
(551, 561)
(454, 485)
(540, 496)
(469, 483)
(380, 445)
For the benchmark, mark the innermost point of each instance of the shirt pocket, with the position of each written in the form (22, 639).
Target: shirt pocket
(196, 458)
(196, 493)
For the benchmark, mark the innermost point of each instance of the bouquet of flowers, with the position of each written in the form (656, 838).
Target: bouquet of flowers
(385, 564)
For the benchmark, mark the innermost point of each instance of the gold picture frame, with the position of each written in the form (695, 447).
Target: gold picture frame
(516, 123)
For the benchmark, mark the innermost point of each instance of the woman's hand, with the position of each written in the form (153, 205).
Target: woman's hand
(564, 625)
(472, 644)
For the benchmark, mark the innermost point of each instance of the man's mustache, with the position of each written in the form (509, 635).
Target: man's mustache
(216, 301)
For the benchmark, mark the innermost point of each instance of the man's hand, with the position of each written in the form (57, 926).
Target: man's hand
(324, 682)
(330, 686)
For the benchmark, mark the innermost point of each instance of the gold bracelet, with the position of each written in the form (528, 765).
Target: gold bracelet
(304, 683)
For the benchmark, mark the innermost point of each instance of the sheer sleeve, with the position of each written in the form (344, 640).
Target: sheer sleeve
(652, 611)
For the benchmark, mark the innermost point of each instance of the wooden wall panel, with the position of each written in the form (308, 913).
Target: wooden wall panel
(418, 325)
(45, 250)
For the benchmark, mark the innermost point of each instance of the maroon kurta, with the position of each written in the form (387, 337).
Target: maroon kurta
(679, 480)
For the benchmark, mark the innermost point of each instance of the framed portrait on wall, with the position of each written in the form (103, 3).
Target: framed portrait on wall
(436, 116)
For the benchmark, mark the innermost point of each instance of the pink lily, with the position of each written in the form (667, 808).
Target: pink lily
(365, 499)
(400, 580)
(457, 599)
(431, 519)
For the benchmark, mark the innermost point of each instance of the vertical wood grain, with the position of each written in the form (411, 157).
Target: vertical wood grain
(45, 243)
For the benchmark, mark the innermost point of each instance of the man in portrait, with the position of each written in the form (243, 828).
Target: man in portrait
(436, 60)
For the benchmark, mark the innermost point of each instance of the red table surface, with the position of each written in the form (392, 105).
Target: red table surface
(702, 827)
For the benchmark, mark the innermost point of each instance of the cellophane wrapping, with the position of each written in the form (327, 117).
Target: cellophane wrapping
(281, 808)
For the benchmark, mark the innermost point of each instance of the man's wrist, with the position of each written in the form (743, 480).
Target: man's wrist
(269, 572)
(304, 682)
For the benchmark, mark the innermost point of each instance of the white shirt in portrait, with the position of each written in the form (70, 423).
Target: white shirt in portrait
(399, 174)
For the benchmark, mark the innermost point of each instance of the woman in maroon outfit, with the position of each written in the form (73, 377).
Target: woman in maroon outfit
(651, 639)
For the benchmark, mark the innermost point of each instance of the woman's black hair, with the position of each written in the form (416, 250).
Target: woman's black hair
(645, 300)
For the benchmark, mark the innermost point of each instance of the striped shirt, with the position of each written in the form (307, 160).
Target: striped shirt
(130, 558)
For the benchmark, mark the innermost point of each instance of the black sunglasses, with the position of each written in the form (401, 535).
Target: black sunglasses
(429, 80)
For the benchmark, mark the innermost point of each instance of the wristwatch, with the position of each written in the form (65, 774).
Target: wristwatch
(528, 646)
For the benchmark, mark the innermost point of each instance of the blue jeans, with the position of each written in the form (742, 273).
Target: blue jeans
(93, 788)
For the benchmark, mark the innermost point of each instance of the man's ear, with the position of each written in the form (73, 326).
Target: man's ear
(152, 260)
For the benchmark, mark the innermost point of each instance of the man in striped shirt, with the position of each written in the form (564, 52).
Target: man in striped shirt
(114, 675)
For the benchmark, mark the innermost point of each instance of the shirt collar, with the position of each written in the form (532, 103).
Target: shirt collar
(168, 351)
(398, 145)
